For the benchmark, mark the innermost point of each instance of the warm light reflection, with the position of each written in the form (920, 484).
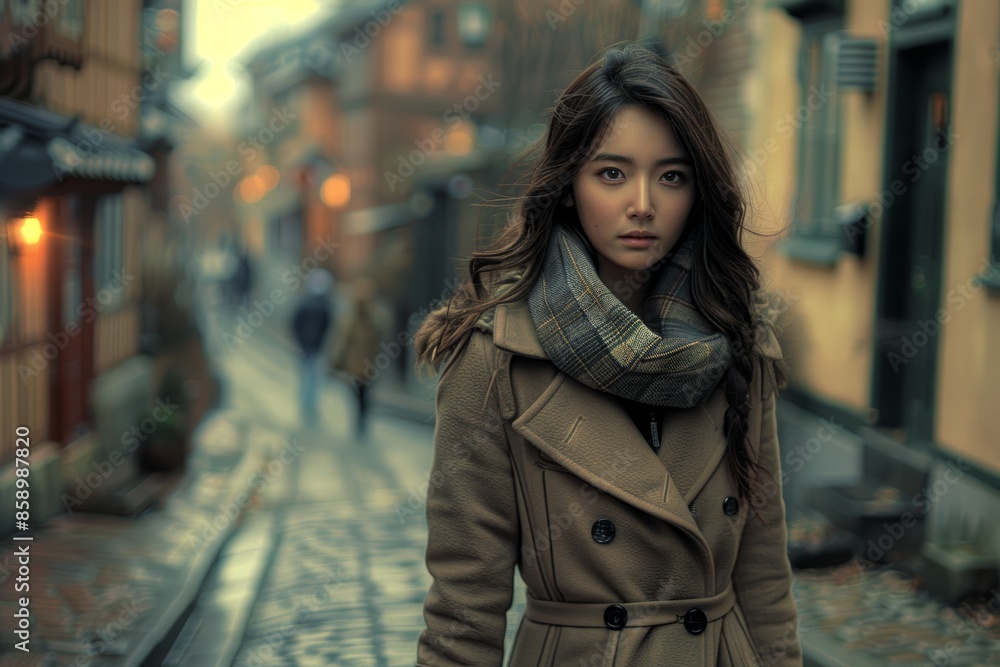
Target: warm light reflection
(268, 175)
(336, 191)
(252, 189)
(459, 141)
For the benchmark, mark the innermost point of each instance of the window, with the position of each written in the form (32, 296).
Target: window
(69, 19)
(71, 289)
(108, 252)
(816, 122)
(437, 28)
(24, 11)
(473, 23)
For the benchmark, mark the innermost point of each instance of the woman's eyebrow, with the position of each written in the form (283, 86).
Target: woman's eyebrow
(611, 157)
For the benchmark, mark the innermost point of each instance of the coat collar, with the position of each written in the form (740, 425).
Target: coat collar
(594, 437)
(514, 330)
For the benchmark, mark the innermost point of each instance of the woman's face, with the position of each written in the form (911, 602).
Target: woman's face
(634, 195)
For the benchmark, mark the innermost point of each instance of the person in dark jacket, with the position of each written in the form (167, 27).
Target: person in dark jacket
(241, 280)
(310, 324)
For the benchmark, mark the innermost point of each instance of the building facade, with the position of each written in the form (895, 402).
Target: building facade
(869, 135)
(73, 201)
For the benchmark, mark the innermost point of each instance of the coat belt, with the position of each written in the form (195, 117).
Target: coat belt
(642, 614)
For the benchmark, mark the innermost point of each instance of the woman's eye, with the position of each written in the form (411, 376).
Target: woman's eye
(612, 173)
(675, 177)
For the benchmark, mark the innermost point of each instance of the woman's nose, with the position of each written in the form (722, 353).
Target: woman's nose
(640, 205)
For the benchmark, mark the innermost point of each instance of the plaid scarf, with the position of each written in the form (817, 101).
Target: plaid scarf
(590, 335)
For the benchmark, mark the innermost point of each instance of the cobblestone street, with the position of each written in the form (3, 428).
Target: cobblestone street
(328, 566)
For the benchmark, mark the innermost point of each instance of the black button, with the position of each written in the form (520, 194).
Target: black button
(730, 505)
(616, 616)
(603, 531)
(695, 621)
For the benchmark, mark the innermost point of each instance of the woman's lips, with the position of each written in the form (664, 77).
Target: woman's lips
(638, 241)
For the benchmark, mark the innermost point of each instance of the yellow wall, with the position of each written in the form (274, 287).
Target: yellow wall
(828, 336)
(968, 419)
(769, 156)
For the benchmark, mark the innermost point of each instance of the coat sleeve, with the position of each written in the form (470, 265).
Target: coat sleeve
(762, 576)
(472, 519)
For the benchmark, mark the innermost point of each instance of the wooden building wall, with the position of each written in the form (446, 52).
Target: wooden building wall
(105, 92)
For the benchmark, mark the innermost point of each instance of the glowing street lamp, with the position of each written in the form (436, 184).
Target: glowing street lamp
(336, 191)
(23, 234)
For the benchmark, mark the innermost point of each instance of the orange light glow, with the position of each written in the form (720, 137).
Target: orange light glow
(29, 231)
(336, 191)
(268, 175)
(459, 141)
(252, 189)
(715, 9)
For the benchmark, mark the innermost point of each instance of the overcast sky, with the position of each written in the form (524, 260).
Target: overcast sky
(220, 30)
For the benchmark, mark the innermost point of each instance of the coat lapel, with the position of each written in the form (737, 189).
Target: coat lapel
(698, 430)
(593, 437)
(588, 435)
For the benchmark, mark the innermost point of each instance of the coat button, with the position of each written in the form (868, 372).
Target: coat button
(615, 617)
(730, 505)
(603, 531)
(695, 621)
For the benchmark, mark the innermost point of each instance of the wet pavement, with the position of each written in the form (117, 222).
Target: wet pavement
(338, 558)
(867, 616)
(106, 589)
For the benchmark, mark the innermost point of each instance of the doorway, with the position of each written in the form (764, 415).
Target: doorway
(913, 199)
(71, 317)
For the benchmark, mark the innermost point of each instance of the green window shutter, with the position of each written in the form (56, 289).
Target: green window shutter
(815, 236)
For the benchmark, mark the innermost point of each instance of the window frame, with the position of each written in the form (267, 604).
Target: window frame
(109, 252)
(816, 237)
(437, 37)
(464, 11)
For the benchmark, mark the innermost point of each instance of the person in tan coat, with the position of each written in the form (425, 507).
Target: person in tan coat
(356, 346)
(606, 406)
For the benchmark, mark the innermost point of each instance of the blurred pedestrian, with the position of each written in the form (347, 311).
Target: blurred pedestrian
(310, 325)
(355, 348)
(605, 416)
(241, 280)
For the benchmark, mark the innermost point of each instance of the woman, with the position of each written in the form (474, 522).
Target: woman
(605, 416)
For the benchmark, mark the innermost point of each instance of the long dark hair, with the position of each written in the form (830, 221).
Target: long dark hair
(724, 278)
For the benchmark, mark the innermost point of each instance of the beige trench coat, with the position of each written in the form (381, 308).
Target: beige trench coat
(630, 556)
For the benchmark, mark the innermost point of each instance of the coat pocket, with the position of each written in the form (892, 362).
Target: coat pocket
(736, 648)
